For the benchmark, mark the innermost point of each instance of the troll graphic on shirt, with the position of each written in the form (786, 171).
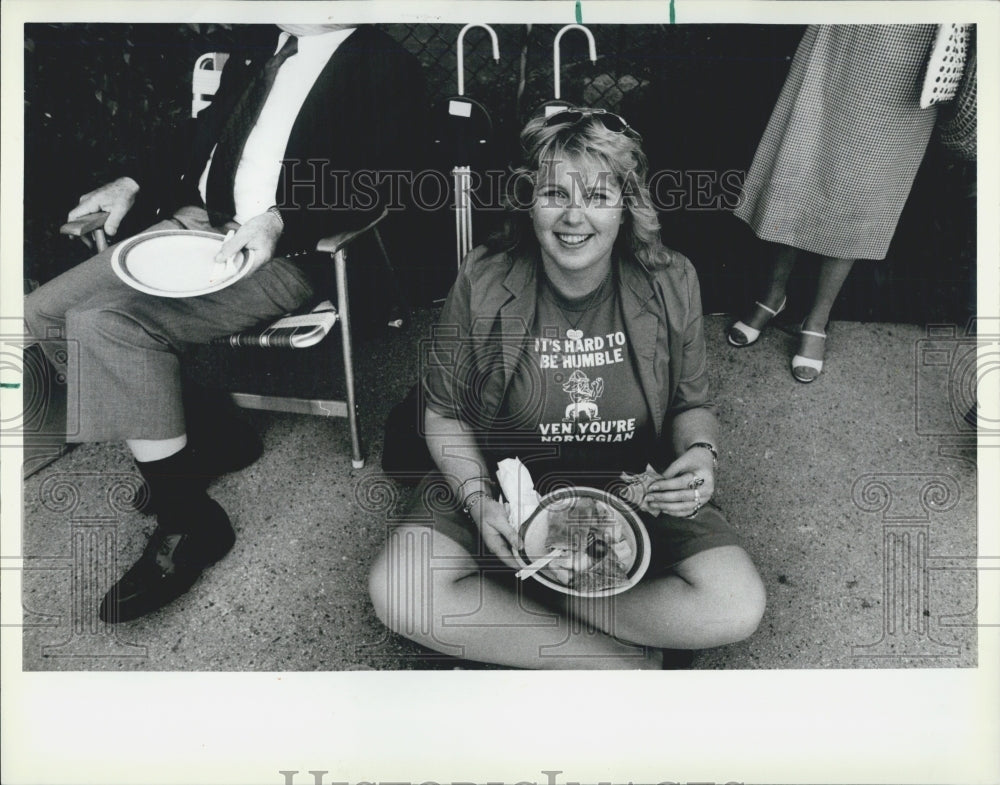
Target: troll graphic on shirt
(583, 393)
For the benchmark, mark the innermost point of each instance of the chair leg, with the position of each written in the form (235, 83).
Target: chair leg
(340, 267)
(401, 299)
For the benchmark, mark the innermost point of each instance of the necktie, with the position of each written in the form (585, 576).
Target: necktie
(229, 149)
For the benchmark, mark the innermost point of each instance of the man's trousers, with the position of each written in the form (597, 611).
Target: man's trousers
(119, 347)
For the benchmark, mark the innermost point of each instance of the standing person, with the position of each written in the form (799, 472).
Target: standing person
(835, 166)
(584, 265)
(322, 100)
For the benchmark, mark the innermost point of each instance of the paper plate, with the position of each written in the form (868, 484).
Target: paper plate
(176, 263)
(605, 544)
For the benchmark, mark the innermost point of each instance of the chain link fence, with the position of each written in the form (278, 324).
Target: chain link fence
(523, 78)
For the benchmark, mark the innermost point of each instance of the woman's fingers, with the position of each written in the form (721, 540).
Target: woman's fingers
(679, 501)
(498, 534)
(500, 546)
(684, 481)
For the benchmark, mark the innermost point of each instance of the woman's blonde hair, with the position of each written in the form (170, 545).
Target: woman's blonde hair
(618, 153)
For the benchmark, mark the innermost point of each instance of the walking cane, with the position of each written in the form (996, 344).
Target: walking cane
(557, 104)
(461, 106)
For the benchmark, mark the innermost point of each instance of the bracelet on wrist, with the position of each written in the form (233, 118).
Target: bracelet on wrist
(273, 209)
(711, 449)
(479, 483)
(473, 500)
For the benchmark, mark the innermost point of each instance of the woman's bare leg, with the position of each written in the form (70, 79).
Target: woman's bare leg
(808, 360)
(426, 587)
(782, 261)
(710, 599)
(832, 274)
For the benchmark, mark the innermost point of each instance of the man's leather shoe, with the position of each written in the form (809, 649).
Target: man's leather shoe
(170, 564)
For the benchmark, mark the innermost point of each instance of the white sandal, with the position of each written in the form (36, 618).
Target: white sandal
(751, 334)
(802, 366)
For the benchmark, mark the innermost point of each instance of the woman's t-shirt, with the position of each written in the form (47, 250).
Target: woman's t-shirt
(574, 411)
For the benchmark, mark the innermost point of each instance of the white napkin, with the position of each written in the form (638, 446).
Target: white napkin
(519, 490)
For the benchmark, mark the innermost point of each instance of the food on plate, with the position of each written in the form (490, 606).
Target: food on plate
(596, 547)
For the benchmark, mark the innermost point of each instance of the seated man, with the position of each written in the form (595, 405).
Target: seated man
(327, 99)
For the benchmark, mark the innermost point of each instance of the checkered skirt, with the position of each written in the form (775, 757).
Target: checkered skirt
(844, 142)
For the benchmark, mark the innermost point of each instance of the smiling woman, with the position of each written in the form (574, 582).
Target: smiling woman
(573, 341)
(576, 216)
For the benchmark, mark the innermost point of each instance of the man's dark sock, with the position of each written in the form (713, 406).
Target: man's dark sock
(173, 483)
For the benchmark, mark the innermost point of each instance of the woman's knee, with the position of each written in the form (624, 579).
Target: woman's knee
(732, 590)
(405, 585)
(748, 603)
(398, 580)
(378, 587)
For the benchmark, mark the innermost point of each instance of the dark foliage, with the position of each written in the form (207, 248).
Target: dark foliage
(95, 96)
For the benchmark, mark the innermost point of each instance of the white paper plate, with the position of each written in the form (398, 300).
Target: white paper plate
(535, 540)
(176, 263)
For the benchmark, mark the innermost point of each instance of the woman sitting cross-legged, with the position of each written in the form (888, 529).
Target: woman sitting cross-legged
(573, 342)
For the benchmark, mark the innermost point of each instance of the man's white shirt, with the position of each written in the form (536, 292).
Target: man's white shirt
(259, 168)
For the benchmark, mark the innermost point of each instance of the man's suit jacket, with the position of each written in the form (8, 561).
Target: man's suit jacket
(363, 114)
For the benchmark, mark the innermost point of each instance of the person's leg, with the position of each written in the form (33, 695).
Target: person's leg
(45, 308)
(808, 361)
(46, 311)
(428, 588)
(145, 450)
(130, 387)
(746, 332)
(120, 353)
(712, 598)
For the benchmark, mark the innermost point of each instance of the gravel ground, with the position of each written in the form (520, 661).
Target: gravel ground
(856, 497)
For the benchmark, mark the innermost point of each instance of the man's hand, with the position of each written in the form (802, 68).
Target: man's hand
(685, 486)
(259, 236)
(498, 534)
(115, 198)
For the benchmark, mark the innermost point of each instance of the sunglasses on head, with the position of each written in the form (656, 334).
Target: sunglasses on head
(614, 123)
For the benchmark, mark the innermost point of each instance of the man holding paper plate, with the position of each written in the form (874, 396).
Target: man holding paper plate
(254, 187)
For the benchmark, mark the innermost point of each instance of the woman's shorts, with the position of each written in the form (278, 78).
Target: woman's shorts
(672, 539)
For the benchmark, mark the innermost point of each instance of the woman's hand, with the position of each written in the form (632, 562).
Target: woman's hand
(684, 487)
(499, 536)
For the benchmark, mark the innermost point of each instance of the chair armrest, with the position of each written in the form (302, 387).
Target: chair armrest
(335, 242)
(84, 225)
